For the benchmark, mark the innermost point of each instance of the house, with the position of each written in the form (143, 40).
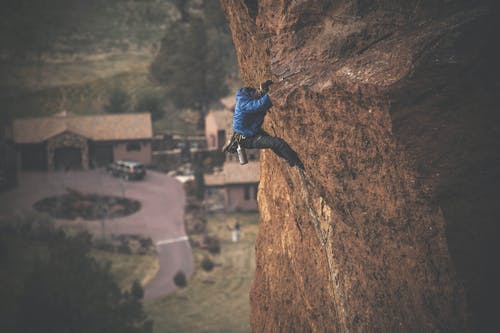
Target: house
(70, 141)
(8, 168)
(218, 125)
(234, 188)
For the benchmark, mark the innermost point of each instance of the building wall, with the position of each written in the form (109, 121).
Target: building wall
(32, 156)
(211, 131)
(143, 155)
(101, 153)
(8, 165)
(235, 198)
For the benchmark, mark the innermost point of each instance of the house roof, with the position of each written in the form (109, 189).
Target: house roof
(229, 102)
(234, 173)
(223, 118)
(95, 127)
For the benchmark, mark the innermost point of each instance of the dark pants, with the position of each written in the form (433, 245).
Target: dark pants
(263, 140)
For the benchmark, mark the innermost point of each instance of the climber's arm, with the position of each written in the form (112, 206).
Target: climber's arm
(261, 104)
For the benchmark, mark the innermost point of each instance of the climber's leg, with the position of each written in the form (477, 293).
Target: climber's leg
(278, 146)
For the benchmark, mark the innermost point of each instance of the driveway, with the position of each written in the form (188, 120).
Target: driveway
(161, 216)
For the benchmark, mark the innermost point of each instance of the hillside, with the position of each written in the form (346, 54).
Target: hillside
(63, 28)
(393, 108)
(70, 55)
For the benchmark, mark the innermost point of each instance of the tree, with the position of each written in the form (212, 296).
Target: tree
(68, 291)
(181, 6)
(119, 102)
(195, 58)
(151, 103)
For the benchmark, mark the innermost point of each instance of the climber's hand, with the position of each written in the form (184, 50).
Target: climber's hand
(264, 86)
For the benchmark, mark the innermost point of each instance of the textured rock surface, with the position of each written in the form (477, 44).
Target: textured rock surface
(392, 107)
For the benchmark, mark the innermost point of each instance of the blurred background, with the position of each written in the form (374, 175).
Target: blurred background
(80, 242)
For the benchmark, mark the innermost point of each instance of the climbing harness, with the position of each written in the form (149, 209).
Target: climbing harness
(234, 145)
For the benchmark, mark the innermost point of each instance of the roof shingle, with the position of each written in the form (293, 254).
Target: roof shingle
(95, 127)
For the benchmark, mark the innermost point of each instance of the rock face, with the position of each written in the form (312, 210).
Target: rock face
(393, 108)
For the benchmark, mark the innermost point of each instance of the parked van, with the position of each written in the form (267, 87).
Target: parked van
(127, 170)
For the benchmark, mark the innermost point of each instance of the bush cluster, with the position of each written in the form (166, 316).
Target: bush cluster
(126, 244)
(207, 264)
(180, 279)
(212, 244)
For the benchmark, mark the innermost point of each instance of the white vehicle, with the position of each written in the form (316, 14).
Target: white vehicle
(127, 170)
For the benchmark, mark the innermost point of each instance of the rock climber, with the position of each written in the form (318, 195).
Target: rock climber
(251, 107)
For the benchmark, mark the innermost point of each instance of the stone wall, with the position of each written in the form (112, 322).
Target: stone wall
(67, 139)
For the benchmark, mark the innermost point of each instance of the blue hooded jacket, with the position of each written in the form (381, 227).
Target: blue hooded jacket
(249, 113)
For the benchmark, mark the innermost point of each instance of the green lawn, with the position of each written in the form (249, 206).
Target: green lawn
(216, 301)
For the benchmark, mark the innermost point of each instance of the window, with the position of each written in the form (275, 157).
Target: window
(256, 189)
(247, 192)
(133, 146)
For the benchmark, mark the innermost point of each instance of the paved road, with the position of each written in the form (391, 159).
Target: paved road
(161, 216)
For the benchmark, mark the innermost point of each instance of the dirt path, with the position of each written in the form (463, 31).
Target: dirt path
(161, 216)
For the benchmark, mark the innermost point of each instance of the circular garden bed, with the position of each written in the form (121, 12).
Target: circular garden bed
(74, 205)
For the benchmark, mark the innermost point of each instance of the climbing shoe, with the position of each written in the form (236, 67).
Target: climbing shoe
(300, 165)
(297, 163)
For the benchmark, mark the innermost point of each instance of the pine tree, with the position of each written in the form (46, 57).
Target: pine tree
(195, 58)
(119, 102)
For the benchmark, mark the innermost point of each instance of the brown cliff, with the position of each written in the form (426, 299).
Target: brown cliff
(392, 106)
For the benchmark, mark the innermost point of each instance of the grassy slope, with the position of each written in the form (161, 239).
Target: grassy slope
(80, 85)
(89, 62)
(215, 301)
(84, 87)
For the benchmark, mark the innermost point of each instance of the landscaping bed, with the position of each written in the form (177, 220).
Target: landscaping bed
(74, 205)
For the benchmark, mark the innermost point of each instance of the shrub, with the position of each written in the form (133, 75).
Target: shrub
(104, 244)
(119, 102)
(212, 244)
(180, 279)
(151, 103)
(146, 243)
(124, 248)
(207, 264)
